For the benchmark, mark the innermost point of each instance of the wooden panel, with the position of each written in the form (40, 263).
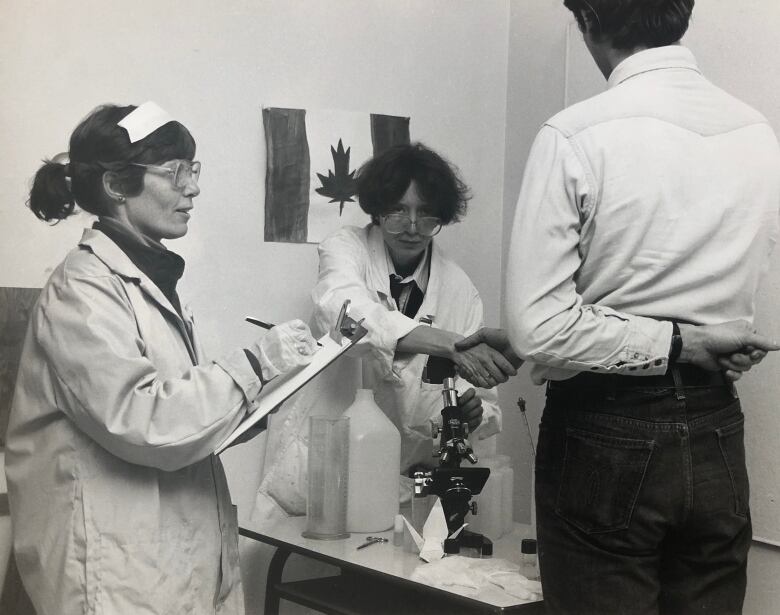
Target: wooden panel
(15, 306)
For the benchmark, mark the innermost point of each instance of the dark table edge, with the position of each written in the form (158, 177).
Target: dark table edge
(412, 585)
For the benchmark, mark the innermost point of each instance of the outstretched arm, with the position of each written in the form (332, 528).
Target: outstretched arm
(732, 347)
(342, 276)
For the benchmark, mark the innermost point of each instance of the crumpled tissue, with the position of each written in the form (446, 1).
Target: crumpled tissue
(468, 576)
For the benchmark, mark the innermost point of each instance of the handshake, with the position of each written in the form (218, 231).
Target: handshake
(486, 358)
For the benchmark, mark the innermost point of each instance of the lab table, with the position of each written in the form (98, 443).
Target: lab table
(375, 580)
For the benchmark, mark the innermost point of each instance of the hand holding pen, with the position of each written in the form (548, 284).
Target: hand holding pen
(266, 325)
(285, 347)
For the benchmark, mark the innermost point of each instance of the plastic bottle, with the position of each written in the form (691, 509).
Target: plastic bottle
(374, 466)
(489, 519)
(529, 561)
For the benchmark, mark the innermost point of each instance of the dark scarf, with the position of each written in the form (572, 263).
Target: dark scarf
(162, 266)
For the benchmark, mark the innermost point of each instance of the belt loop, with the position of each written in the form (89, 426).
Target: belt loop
(678, 383)
(610, 387)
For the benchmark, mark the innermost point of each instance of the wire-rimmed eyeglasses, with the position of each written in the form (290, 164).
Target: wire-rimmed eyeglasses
(395, 224)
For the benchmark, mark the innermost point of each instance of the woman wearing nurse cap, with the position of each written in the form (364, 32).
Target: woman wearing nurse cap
(117, 500)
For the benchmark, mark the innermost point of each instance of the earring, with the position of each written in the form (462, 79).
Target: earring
(121, 198)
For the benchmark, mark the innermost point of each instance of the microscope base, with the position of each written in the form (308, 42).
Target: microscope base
(469, 540)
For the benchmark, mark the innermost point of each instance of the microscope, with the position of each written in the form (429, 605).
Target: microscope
(454, 485)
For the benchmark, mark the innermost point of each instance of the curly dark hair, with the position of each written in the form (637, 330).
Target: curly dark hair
(98, 144)
(628, 24)
(383, 180)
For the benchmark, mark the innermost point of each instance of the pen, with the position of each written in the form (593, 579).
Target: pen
(259, 323)
(263, 324)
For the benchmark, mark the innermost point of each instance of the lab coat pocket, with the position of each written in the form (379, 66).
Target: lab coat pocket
(601, 479)
(426, 408)
(144, 575)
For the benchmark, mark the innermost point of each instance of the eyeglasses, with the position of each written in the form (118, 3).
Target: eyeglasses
(182, 172)
(395, 224)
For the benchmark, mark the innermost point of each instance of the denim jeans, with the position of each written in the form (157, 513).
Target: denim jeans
(642, 501)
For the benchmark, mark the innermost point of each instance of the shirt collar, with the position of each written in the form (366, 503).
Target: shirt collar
(419, 275)
(656, 58)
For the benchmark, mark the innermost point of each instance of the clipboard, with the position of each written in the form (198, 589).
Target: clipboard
(343, 336)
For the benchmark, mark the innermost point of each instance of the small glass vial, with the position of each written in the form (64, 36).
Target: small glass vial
(398, 531)
(529, 561)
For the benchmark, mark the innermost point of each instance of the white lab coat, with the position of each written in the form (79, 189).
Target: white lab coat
(118, 505)
(353, 265)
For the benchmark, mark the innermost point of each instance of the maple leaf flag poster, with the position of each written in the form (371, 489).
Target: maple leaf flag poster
(312, 158)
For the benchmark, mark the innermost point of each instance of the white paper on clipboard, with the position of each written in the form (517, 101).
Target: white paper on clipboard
(282, 387)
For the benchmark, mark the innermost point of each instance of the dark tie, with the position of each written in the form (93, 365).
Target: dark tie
(415, 299)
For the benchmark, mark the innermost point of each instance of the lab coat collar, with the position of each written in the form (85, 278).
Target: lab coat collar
(378, 268)
(115, 259)
(657, 58)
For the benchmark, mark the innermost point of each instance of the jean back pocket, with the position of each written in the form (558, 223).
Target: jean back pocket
(601, 479)
(731, 440)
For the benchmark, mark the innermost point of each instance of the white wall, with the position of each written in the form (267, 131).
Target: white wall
(212, 65)
(736, 45)
(535, 89)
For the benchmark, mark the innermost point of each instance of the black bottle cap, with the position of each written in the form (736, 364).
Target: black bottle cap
(528, 545)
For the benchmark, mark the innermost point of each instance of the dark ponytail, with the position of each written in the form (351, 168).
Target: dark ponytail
(50, 196)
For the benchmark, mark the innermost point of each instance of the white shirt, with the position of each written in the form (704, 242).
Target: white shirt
(655, 200)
